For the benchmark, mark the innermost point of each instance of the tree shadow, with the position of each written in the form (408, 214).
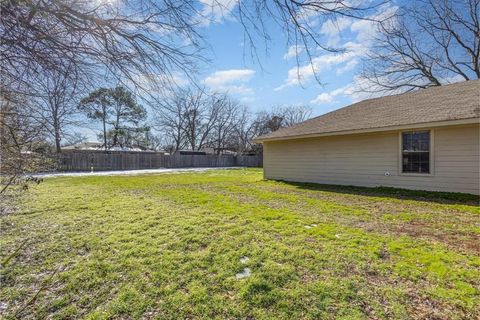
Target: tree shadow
(30, 212)
(389, 192)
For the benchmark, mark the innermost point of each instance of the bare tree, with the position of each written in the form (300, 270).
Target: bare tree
(170, 121)
(193, 113)
(130, 40)
(55, 105)
(201, 115)
(182, 118)
(278, 117)
(429, 43)
(195, 119)
(20, 139)
(225, 122)
(294, 114)
(241, 136)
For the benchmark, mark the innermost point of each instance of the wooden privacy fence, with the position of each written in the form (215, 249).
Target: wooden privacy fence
(105, 160)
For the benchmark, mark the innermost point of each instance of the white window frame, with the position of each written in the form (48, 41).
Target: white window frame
(431, 155)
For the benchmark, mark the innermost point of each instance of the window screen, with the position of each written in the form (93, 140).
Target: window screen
(416, 152)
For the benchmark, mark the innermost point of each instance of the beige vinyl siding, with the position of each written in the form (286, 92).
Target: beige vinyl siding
(363, 160)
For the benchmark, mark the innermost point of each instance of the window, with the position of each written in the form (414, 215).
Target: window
(416, 152)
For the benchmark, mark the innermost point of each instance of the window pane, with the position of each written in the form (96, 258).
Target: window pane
(415, 152)
(424, 162)
(416, 141)
(416, 162)
(407, 141)
(423, 138)
(408, 162)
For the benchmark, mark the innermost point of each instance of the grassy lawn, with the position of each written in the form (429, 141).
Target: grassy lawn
(169, 247)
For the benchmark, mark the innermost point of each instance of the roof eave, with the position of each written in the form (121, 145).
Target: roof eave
(371, 130)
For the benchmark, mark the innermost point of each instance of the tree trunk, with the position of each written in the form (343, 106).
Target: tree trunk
(114, 139)
(104, 134)
(218, 146)
(58, 138)
(58, 148)
(115, 131)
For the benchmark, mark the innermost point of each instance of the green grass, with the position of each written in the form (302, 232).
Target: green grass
(169, 247)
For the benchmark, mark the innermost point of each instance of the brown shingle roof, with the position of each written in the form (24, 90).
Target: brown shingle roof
(450, 102)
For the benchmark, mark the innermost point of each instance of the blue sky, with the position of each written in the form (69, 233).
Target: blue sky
(273, 80)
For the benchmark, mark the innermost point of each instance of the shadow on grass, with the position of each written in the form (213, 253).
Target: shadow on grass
(388, 192)
(29, 212)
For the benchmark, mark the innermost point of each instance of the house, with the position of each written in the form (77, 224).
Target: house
(425, 140)
(98, 146)
(218, 151)
(190, 153)
(87, 145)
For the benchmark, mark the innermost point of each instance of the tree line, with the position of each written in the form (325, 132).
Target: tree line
(190, 118)
(194, 119)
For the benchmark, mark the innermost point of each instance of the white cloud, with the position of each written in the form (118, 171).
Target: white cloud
(232, 81)
(216, 10)
(223, 77)
(247, 99)
(322, 98)
(366, 30)
(328, 97)
(89, 133)
(358, 90)
(349, 66)
(292, 52)
(362, 32)
(304, 74)
(332, 29)
(233, 89)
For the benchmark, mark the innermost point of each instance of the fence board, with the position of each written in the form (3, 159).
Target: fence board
(105, 160)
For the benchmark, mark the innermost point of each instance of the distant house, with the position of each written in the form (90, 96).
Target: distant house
(427, 140)
(190, 152)
(219, 151)
(98, 146)
(87, 145)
